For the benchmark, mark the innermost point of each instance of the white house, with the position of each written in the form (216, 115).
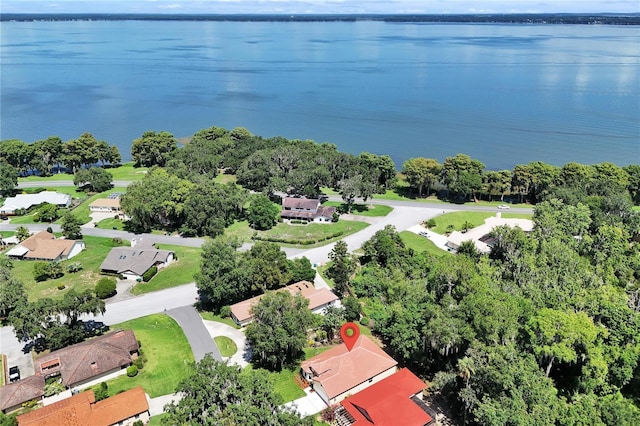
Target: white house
(480, 234)
(26, 201)
(105, 205)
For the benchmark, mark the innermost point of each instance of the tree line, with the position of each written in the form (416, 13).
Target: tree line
(545, 329)
(463, 177)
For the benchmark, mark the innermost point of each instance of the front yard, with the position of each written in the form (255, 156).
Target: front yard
(168, 354)
(178, 273)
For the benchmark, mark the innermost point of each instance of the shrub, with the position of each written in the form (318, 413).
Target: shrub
(40, 271)
(225, 311)
(53, 388)
(49, 230)
(74, 267)
(116, 241)
(61, 286)
(431, 223)
(335, 217)
(138, 363)
(132, 371)
(364, 321)
(101, 392)
(138, 423)
(149, 274)
(106, 287)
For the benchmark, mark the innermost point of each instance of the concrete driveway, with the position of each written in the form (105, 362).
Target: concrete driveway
(12, 348)
(243, 355)
(199, 338)
(308, 405)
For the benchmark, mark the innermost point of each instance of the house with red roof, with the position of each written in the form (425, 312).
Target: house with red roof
(395, 400)
(319, 300)
(339, 372)
(82, 410)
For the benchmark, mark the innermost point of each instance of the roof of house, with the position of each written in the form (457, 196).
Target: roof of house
(24, 201)
(21, 391)
(42, 245)
(388, 402)
(316, 296)
(340, 369)
(82, 410)
(300, 203)
(135, 259)
(106, 202)
(475, 234)
(90, 358)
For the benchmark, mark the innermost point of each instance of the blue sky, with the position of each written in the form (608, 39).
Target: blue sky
(319, 6)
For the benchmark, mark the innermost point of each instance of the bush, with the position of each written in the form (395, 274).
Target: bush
(138, 423)
(53, 388)
(74, 267)
(101, 392)
(40, 271)
(61, 287)
(138, 363)
(225, 311)
(106, 287)
(431, 223)
(132, 371)
(149, 274)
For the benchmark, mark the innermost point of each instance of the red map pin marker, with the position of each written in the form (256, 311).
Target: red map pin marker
(349, 333)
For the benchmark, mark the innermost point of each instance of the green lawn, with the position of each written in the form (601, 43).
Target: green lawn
(311, 352)
(111, 223)
(91, 258)
(227, 346)
(157, 420)
(313, 231)
(124, 172)
(168, 354)
(322, 270)
(636, 208)
(178, 273)
(419, 243)
(210, 316)
(457, 219)
(371, 210)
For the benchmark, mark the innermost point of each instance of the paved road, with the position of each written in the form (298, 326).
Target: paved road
(197, 334)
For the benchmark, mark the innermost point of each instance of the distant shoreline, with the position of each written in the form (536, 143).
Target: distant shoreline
(541, 18)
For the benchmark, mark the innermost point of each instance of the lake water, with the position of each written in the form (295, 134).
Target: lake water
(505, 94)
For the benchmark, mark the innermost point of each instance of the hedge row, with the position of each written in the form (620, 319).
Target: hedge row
(298, 242)
(149, 274)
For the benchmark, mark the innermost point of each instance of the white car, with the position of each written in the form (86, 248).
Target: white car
(504, 206)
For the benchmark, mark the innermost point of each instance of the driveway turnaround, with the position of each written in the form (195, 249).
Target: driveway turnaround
(243, 355)
(308, 405)
(197, 334)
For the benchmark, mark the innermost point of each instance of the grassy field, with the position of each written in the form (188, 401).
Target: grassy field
(227, 346)
(91, 258)
(371, 210)
(210, 316)
(457, 219)
(180, 272)
(111, 224)
(124, 172)
(168, 353)
(420, 244)
(157, 420)
(311, 352)
(313, 231)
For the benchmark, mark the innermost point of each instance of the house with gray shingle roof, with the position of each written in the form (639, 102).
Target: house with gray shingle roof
(132, 262)
(307, 209)
(86, 361)
(13, 395)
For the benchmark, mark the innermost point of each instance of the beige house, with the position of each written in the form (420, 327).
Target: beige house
(319, 300)
(339, 372)
(45, 246)
(106, 205)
